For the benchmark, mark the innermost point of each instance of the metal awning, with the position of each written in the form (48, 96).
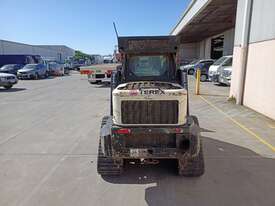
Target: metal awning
(213, 17)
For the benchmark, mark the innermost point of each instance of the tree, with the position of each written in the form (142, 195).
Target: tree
(80, 55)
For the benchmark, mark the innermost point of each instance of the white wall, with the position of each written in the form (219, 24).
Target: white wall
(259, 93)
(259, 85)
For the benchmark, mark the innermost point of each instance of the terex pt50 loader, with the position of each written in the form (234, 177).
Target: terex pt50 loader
(149, 117)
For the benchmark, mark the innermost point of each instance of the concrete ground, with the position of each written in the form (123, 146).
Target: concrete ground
(48, 146)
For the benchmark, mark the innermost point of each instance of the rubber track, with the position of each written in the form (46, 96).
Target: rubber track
(106, 165)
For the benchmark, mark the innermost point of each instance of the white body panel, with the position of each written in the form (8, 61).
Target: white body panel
(169, 94)
(213, 69)
(7, 79)
(100, 72)
(92, 78)
(225, 75)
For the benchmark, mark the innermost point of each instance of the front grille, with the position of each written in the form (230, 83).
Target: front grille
(100, 76)
(149, 112)
(211, 73)
(10, 78)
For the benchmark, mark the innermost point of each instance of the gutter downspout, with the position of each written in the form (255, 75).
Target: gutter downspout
(244, 50)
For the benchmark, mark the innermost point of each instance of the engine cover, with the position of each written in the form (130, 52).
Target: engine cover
(149, 103)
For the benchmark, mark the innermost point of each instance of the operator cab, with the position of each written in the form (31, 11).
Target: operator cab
(150, 67)
(146, 59)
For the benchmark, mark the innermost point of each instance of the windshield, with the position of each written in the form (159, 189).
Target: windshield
(30, 66)
(148, 66)
(228, 62)
(193, 62)
(220, 60)
(52, 65)
(8, 66)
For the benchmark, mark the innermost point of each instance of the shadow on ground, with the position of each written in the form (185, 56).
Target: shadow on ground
(234, 176)
(12, 89)
(221, 85)
(215, 95)
(103, 85)
(40, 79)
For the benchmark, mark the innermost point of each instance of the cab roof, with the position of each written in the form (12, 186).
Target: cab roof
(147, 44)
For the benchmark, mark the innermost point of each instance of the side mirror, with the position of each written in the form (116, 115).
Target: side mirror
(115, 79)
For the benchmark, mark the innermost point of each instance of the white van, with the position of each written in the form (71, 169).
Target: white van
(218, 66)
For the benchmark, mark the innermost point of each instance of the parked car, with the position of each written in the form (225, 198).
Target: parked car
(33, 71)
(77, 64)
(217, 66)
(190, 68)
(184, 62)
(68, 66)
(108, 59)
(66, 70)
(204, 67)
(225, 74)
(7, 80)
(11, 68)
(100, 73)
(56, 69)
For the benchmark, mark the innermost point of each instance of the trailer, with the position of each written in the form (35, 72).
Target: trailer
(99, 73)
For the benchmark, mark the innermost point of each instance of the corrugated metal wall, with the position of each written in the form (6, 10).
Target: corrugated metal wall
(189, 51)
(66, 51)
(8, 47)
(228, 42)
(204, 46)
(202, 49)
(262, 21)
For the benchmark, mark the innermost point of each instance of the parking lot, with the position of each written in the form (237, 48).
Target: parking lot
(49, 140)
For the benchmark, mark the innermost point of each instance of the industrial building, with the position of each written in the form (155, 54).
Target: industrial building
(58, 52)
(244, 28)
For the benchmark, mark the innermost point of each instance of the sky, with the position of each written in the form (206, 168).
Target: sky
(86, 25)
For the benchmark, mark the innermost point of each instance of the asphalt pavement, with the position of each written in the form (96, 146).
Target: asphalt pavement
(48, 147)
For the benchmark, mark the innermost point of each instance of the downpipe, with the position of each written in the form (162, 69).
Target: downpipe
(244, 50)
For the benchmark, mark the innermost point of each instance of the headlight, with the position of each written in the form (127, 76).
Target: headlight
(226, 73)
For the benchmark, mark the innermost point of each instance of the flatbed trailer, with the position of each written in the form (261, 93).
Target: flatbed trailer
(99, 72)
